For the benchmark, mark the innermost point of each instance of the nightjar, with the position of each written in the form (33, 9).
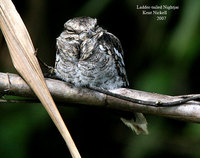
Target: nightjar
(88, 55)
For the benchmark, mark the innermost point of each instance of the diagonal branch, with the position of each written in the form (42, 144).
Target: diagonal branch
(14, 85)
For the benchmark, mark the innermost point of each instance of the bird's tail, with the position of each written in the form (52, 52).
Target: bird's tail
(138, 123)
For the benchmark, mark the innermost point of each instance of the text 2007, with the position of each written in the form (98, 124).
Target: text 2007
(161, 18)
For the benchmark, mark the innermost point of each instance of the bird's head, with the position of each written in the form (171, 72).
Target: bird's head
(81, 24)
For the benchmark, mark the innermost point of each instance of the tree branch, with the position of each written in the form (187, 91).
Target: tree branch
(13, 84)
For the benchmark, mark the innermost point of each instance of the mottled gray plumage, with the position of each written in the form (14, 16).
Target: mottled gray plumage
(88, 55)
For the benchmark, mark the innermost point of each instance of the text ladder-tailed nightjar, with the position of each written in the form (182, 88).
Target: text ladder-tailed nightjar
(88, 55)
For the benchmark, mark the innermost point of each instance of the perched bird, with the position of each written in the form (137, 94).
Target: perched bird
(88, 55)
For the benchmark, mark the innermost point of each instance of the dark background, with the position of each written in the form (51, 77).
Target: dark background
(160, 56)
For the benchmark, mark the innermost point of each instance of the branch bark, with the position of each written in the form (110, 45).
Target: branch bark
(14, 85)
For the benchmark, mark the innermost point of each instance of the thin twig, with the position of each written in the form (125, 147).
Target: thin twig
(158, 103)
(19, 100)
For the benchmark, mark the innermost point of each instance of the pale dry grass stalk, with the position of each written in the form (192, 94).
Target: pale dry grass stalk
(23, 57)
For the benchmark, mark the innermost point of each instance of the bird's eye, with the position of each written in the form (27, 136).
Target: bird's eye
(70, 30)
